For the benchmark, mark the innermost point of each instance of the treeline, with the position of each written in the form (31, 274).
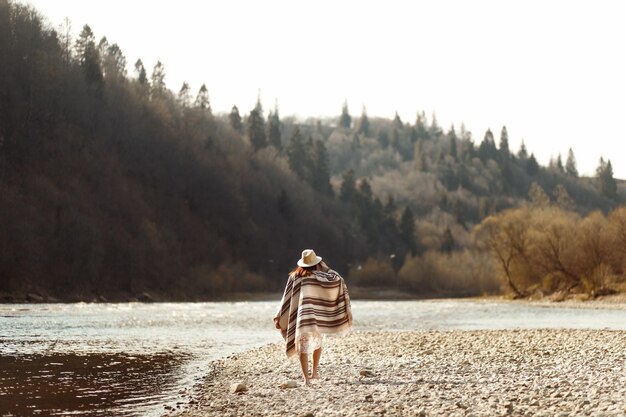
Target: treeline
(112, 185)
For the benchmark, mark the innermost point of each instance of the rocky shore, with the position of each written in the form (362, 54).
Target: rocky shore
(429, 373)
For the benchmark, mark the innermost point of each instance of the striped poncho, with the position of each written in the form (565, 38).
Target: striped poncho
(317, 304)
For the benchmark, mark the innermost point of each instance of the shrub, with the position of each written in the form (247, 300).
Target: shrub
(555, 250)
(375, 272)
(226, 278)
(462, 273)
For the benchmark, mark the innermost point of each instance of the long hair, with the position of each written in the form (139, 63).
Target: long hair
(300, 271)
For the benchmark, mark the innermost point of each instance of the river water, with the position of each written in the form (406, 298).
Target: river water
(134, 359)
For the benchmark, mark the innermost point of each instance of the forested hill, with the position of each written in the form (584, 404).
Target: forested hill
(111, 185)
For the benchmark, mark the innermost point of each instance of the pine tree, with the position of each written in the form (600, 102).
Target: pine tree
(605, 180)
(235, 120)
(523, 152)
(420, 126)
(88, 57)
(345, 120)
(364, 123)
(610, 185)
(140, 70)
(395, 139)
(504, 144)
(532, 167)
(559, 164)
(487, 149)
(103, 45)
(202, 99)
(309, 166)
(321, 169)
(407, 230)
(453, 140)
(419, 157)
(256, 127)
(348, 187)
(397, 122)
(86, 39)
(273, 129)
(383, 138)
(296, 154)
(114, 62)
(157, 80)
(469, 148)
(184, 95)
(570, 164)
(66, 40)
(435, 130)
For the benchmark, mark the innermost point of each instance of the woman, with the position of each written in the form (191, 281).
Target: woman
(315, 303)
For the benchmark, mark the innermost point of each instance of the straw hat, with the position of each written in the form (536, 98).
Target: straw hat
(309, 258)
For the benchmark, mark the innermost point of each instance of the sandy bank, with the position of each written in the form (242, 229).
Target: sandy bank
(612, 302)
(481, 373)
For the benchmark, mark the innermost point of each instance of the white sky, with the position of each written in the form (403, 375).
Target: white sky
(553, 72)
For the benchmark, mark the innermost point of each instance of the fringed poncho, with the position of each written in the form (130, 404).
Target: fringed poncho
(316, 304)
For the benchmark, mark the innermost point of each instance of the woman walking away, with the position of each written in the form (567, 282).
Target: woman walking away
(315, 303)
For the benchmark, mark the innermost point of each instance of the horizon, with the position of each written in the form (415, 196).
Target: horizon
(547, 72)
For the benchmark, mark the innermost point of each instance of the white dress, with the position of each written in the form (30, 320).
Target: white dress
(310, 342)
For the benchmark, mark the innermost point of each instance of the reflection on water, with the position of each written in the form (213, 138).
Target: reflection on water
(127, 359)
(89, 384)
(135, 359)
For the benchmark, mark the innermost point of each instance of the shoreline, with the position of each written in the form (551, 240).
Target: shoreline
(425, 373)
(617, 300)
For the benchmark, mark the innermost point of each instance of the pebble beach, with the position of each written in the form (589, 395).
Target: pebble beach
(428, 373)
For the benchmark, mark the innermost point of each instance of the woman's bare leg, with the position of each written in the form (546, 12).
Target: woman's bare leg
(304, 363)
(317, 354)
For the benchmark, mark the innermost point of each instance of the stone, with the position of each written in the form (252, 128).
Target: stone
(34, 298)
(289, 384)
(144, 297)
(435, 384)
(237, 387)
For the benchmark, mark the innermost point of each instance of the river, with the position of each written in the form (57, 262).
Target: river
(134, 359)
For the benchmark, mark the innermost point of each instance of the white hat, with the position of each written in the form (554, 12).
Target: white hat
(309, 258)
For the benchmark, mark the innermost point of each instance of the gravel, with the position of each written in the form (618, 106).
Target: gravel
(429, 373)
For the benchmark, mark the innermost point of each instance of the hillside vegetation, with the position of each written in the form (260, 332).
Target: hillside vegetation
(112, 185)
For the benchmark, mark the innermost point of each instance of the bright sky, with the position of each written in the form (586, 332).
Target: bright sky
(553, 72)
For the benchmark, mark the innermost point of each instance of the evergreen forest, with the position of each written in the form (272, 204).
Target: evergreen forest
(113, 185)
